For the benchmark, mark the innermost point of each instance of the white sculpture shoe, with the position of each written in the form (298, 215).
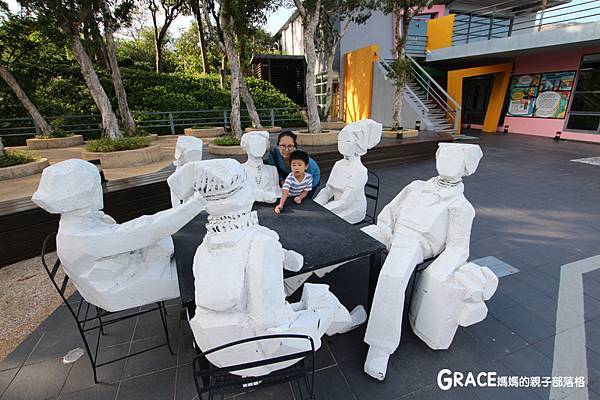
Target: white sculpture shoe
(359, 317)
(376, 363)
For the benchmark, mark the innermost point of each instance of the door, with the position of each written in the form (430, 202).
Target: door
(476, 96)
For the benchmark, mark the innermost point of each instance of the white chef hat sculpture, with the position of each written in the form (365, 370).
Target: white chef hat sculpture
(187, 149)
(114, 266)
(263, 178)
(427, 219)
(238, 274)
(344, 193)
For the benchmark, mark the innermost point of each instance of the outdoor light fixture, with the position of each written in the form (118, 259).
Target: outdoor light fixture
(557, 136)
(399, 132)
(505, 128)
(418, 125)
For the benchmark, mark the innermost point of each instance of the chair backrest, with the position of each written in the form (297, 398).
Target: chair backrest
(219, 375)
(372, 194)
(60, 286)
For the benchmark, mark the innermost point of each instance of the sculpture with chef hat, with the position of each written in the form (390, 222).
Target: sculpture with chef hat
(263, 178)
(428, 219)
(114, 266)
(344, 193)
(187, 149)
(238, 277)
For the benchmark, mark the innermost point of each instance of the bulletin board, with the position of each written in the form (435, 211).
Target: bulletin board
(544, 95)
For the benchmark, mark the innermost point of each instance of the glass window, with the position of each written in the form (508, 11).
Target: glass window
(584, 113)
(589, 102)
(583, 122)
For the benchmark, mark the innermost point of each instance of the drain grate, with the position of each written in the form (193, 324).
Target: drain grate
(498, 267)
(589, 160)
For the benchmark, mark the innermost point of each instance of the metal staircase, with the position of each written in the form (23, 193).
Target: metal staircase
(438, 110)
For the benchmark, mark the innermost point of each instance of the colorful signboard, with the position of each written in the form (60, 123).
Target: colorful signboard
(540, 95)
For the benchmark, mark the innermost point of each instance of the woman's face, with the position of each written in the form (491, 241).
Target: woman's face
(286, 146)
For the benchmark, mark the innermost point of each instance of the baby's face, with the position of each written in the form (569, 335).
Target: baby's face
(298, 167)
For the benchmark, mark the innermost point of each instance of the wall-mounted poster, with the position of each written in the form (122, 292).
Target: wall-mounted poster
(540, 95)
(523, 91)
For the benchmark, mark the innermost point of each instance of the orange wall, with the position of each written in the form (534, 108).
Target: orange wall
(358, 82)
(439, 32)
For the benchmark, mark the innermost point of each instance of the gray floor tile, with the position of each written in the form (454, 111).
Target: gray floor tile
(529, 362)
(417, 364)
(501, 393)
(185, 388)
(5, 378)
(38, 381)
(55, 344)
(98, 392)
(156, 386)
(545, 283)
(592, 335)
(330, 384)
(19, 355)
(465, 353)
(151, 361)
(435, 393)
(495, 337)
(517, 290)
(525, 324)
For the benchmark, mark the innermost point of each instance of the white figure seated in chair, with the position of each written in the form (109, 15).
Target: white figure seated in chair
(187, 149)
(114, 266)
(263, 178)
(344, 193)
(428, 219)
(238, 275)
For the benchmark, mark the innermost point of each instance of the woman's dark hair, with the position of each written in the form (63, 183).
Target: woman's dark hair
(299, 155)
(287, 133)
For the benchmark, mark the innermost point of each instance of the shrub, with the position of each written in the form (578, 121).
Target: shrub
(106, 145)
(226, 140)
(16, 157)
(57, 130)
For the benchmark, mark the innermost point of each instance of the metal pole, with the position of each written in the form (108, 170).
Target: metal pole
(272, 117)
(544, 3)
(225, 119)
(171, 124)
(469, 28)
(491, 23)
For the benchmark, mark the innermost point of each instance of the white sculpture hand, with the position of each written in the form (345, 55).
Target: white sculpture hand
(293, 261)
(479, 284)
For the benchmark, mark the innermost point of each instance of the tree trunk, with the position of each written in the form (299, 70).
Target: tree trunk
(249, 101)
(1, 147)
(198, 16)
(329, 86)
(236, 125)
(38, 119)
(310, 23)
(402, 22)
(157, 55)
(222, 73)
(109, 119)
(111, 50)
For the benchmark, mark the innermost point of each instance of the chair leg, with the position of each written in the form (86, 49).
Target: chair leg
(98, 313)
(164, 321)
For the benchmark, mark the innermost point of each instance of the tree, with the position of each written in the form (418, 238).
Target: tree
(309, 11)
(14, 44)
(403, 11)
(228, 44)
(110, 24)
(69, 15)
(170, 10)
(197, 11)
(336, 17)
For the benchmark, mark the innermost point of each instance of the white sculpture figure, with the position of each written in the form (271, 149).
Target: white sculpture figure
(238, 273)
(114, 266)
(424, 220)
(344, 194)
(264, 178)
(187, 149)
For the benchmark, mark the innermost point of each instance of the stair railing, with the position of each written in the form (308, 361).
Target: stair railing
(387, 68)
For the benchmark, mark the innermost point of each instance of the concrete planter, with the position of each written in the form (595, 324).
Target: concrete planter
(225, 150)
(125, 158)
(270, 129)
(153, 137)
(21, 170)
(204, 132)
(335, 125)
(54, 143)
(406, 133)
(317, 139)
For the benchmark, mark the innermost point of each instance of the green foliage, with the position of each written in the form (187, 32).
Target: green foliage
(16, 157)
(58, 130)
(139, 53)
(226, 140)
(105, 145)
(399, 70)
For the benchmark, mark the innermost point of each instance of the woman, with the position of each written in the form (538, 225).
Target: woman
(279, 157)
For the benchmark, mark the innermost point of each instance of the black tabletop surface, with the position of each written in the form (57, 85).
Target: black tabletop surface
(319, 235)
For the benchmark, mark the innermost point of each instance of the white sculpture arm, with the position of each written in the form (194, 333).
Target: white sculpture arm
(351, 192)
(384, 230)
(292, 261)
(140, 232)
(456, 252)
(264, 196)
(324, 196)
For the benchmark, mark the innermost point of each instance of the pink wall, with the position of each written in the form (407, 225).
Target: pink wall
(552, 61)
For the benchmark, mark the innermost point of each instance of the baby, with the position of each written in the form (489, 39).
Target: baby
(298, 183)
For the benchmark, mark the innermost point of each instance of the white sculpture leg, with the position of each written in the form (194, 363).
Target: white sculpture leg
(385, 321)
(462, 296)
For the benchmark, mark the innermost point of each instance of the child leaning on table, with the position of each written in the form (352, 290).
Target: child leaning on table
(298, 183)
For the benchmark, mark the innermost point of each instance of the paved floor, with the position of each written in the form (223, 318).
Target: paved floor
(536, 210)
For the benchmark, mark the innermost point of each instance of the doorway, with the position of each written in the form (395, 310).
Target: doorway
(476, 96)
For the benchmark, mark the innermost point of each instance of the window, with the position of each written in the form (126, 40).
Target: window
(584, 114)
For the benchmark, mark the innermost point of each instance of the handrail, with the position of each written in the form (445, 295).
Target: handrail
(412, 60)
(387, 67)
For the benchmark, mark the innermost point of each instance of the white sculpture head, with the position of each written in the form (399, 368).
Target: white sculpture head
(187, 149)
(255, 143)
(358, 137)
(70, 185)
(455, 160)
(222, 183)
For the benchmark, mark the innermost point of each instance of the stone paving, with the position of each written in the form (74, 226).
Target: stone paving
(536, 210)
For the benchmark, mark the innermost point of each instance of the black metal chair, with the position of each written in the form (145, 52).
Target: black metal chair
(99, 321)
(211, 380)
(372, 195)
